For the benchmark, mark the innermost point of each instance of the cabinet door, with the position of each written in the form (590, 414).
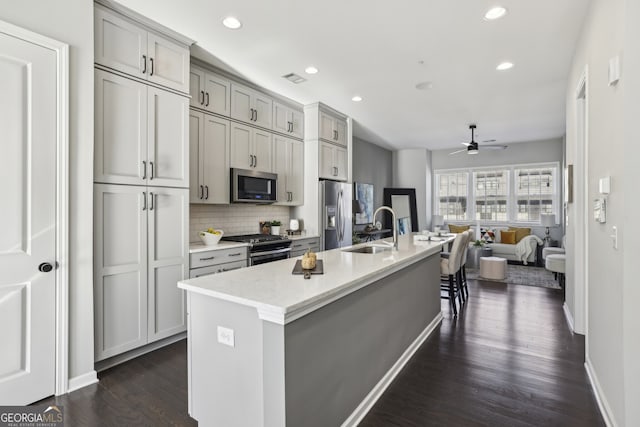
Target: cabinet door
(264, 110)
(168, 63)
(263, 150)
(217, 95)
(168, 260)
(281, 167)
(120, 130)
(281, 118)
(327, 167)
(241, 147)
(168, 131)
(214, 154)
(241, 103)
(196, 87)
(341, 132)
(327, 127)
(120, 268)
(196, 139)
(295, 179)
(297, 118)
(120, 44)
(340, 162)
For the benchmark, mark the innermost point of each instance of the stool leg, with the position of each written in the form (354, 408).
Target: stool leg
(452, 296)
(460, 291)
(464, 280)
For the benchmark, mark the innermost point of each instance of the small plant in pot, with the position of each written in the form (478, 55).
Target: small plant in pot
(275, 227)
(478, 243)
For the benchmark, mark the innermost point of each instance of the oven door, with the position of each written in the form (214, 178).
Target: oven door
(261, 257)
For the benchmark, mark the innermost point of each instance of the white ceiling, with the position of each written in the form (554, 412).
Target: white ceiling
(374, 48)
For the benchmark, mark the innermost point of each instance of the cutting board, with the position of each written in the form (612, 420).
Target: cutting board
(299, 270)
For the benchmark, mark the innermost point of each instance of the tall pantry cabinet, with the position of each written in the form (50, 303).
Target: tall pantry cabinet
(141, 181)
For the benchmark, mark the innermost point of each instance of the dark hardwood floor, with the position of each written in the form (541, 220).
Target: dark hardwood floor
(509, 359)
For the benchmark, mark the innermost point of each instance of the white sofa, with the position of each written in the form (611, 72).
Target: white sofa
(507, 250)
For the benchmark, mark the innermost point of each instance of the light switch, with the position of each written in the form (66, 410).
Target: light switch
(614, 237)
(614, 70)
(226, 336)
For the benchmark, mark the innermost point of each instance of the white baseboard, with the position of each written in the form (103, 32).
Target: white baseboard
(568, 316)
(363, 408)
(603, 404)
(83, 380)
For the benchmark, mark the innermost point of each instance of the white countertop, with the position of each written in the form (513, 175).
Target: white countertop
(282, 297)
(200, 247)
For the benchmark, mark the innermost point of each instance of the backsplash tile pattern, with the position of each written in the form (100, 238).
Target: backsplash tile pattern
(234, 219)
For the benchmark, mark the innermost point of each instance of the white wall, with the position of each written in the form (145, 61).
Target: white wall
(410, 170)
(71, 21)
(612, 320)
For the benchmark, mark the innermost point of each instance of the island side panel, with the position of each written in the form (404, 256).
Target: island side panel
(226, 387)
(336, 355)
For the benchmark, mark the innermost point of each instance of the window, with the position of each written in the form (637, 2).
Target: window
(491, 195)
(518, 193)
(452, 195)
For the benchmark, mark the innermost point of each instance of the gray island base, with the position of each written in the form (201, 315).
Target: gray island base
(326, 363)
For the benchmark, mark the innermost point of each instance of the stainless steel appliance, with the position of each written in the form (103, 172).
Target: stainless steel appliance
(335, 203)
(264, 248)
(249, 186)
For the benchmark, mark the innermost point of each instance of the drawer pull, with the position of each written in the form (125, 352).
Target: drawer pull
(236, 254)
(207, 259)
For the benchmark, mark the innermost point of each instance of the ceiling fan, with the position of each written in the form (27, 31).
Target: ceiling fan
(473, 147)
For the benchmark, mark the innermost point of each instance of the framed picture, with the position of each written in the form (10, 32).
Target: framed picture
(364, 196)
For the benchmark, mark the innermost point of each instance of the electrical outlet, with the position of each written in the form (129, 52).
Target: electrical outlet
(226, 336)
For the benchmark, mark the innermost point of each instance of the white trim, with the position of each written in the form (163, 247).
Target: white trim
(62, 196)
(603, 404)
(83, 380)
(582, 310)
(568, 317)
(365, 406)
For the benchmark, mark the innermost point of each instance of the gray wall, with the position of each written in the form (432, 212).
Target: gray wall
(411, 170)
(372, 165)
(71, 21)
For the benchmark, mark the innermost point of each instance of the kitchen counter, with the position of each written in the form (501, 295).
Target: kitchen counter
(200, 247)
(300, 237)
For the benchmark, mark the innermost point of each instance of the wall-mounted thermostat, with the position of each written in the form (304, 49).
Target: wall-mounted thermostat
(605, 185)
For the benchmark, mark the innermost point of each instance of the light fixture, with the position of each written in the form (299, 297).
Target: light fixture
(424, 85)
(311, 70)
(495, 13)
(547, 220)
(472, 150)
(356, 98)
(504, 66)
(232, 22)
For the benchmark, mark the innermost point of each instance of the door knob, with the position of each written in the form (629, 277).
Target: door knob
(46, 267)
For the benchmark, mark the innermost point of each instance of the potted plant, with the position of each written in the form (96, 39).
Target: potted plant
(275, 227)
(478, 243)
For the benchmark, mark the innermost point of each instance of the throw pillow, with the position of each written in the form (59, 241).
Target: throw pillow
(508, 237)
(458, 228)
(521, 232)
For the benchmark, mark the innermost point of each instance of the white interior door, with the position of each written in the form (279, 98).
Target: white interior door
(27, 241)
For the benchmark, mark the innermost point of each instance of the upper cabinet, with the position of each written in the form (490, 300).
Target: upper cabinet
(251, 106)
(128, 47)
(210, 92)
(333, 129)
(251, 148)
(288, 120)
(288, 163)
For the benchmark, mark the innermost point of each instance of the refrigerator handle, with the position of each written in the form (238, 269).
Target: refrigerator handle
(339, 218)
(342, 211)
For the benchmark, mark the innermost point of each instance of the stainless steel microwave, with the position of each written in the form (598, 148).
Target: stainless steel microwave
(248, 186)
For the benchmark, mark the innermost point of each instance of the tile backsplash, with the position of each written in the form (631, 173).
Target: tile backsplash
(234, 219)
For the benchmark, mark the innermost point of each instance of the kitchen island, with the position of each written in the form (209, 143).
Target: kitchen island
(268, 348)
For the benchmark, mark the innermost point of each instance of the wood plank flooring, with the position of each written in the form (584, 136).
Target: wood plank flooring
(509, 359)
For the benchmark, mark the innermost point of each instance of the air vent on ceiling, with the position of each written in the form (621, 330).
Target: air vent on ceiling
(294, 78)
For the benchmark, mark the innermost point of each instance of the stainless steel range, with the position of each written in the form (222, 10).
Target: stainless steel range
(264, 248)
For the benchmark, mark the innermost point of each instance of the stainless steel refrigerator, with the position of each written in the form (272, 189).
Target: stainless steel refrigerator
(335, 205)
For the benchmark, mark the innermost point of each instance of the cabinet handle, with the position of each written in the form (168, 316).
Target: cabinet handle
(236, 254)
(222, 270)
(207, 258)
(151, 164)
(201, 192)
(152, 200)
(202, 93)
(255, 161)
(144, 169)
(206, 187)
(250, 160)
(207, 104)
(144, 62)
(251, 113)
(144, 198)
(255, 119)
(151, 60)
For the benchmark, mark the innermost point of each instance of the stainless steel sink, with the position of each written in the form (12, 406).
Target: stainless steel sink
(368, 249)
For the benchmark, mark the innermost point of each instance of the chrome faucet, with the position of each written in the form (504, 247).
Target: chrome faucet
(394, 224)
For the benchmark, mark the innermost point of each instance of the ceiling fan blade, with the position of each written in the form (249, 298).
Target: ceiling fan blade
(493, 147)
(466, 144)
(459, 151)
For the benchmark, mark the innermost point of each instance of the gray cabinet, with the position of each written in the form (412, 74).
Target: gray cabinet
(217, 261)
(300, 246)
(141, 252)
(251, 148)
(210, 92)
(333, 161)
(333, 128)
(288, 162)
(251, 106)
(288, 120)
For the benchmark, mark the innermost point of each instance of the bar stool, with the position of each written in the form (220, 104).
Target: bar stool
(449, 272)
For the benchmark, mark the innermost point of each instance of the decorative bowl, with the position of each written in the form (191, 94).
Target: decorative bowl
(210, 239)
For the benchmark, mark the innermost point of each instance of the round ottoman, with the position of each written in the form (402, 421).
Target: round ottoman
(493, 268)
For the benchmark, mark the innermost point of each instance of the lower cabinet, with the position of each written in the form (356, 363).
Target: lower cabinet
(300, 246)
(217, 261)
(141, 252)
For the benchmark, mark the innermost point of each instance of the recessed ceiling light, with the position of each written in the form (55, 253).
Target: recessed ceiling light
(311, 70)
(424, 86)
(232, 22)
(356, 98)
(495, 13)
(504, 66)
